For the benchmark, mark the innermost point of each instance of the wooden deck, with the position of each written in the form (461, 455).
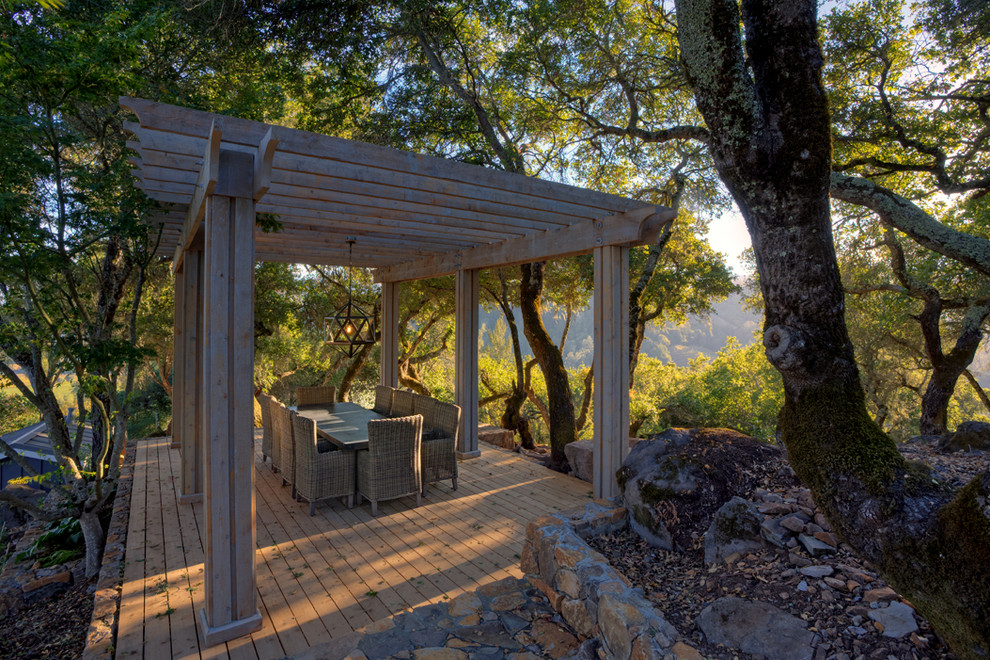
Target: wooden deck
(322, 577)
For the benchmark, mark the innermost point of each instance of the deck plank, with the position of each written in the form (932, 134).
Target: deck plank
(321, 577)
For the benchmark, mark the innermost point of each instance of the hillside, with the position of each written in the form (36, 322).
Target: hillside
(679, 344)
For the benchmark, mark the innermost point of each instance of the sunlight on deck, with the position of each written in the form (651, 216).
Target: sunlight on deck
(322, 577)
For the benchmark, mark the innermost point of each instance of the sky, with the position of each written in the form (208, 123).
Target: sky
(727, 234)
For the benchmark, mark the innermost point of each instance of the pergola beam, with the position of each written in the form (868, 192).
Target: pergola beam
(637, 227)
(205, 184)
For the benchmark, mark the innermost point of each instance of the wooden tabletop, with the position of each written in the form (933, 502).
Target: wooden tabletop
(344, 423)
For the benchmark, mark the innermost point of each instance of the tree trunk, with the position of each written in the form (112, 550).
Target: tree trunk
(512, 417)
(561, 408)
(94, 538)
(946, 367)
(768, 116)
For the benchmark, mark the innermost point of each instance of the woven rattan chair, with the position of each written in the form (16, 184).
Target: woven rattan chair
(390, 467)
(403, 402)
(320, 475)
(423, 405)
(266, 427)
(440, 444)
(282, 430)
(383, 400)
(311, 396)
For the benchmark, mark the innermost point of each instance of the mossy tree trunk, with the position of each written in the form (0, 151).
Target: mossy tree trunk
(767, 112)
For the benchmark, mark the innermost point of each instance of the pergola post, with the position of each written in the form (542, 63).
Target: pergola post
(466, 361)
(188, 383)
(178, 362)
(611, 394)
(390, 334)
(228, 403)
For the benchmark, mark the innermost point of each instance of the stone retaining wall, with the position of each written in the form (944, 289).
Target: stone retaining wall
(106, 601)
(594, 598)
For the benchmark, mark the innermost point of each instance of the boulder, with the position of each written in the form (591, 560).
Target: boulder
(968, 436)
(493, 435)
(674, 482)
(734, 529)
(581, 457)
(757, 628)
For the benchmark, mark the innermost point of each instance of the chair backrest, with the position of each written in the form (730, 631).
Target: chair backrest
(403, 402)
(383, 400)
(396, 440)
(446, 419)
(309, 396)
(282, 428)
(423, 405)
(304, 436)
(266, 421)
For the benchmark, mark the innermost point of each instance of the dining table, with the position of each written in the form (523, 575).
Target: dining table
(344, 423)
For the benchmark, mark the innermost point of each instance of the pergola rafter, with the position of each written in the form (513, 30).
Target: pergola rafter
(411, 217)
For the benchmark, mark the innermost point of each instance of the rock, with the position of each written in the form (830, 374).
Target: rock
(504, 438)
(439, 654)
(556, 641)
(734, 529)
(581, 457)
(774, 532)
(757, 628)
(817, 571)
(43, 588)
(682, 651)
(691, 472)
(897, 620)
(814, 546)
(793, 523)
(968, 436)
(879, 595)
(467, 603)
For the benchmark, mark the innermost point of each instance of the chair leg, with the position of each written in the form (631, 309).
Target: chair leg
(312, 509)
(294, 495)
(284, 482)
(374, 508)
(350, 501)
(453, 480)
(419, 499)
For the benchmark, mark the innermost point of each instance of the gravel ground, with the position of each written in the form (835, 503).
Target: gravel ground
(52, 629)
(835, 594)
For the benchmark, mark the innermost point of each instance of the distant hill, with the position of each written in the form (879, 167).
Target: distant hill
(678, 344)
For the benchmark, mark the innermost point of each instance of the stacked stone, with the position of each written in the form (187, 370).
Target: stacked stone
(106, 603)
(595, 599)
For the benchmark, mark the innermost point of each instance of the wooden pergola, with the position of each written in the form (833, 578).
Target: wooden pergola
(411, 217)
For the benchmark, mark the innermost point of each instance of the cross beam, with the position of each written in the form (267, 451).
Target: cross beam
(636, 227)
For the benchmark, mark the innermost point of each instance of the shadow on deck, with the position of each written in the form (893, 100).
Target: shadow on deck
(321, 577)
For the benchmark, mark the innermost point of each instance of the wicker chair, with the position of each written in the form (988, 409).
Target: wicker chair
(403, 402)
(423, 405)
(390, 467)
(383, 400)
(266, 427)
(282, 431)
(320, 475)
(311, 396)
(440, 444)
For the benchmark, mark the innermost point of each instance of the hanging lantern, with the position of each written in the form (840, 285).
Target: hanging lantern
(350, 327)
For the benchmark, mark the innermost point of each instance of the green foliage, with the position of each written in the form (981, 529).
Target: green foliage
(737, 389)
(62, 541)
(16, 412)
